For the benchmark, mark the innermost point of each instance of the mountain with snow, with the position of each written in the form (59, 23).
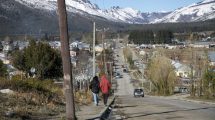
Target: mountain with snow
(201, 11)
(85, 7)
(21, 15)
(196, 12)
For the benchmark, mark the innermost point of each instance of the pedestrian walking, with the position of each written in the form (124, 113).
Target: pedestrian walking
(94, 86)
(105, 88)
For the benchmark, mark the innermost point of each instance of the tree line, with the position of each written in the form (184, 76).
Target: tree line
(150, 37)
(182, 27)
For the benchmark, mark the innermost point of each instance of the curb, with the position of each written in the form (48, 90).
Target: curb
(103, 115)
(105, 112)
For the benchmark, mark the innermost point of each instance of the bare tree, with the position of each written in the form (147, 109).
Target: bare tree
(161, 73)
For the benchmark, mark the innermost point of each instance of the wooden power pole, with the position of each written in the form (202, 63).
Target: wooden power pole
(94, 53)
(68, 84)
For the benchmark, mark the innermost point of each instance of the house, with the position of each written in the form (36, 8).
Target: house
(20, 44)
(86, 46)
(73, 61)
(80, 45)
(142, 52)
(182, 70)
(211, 56)
(146, 46)
(3, 58)
(55, 44)
(200, 45)
(74, 44)
(73, 53)
(170, 46)
(98, 48)
(7, 47)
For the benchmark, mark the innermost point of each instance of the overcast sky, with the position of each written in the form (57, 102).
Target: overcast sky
(146, 5)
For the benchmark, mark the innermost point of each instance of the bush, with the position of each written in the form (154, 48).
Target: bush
(3, 69)
(45, 89)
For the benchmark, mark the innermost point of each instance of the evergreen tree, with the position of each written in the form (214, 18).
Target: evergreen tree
(3, 69)
(40, 56)
(141, 37)
(1, 46)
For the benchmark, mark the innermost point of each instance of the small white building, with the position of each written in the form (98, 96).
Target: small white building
(73, 61)
(200, 45)
(74, 44)
(182, 70)
(142, 52)
(98, 48)
(80, 45)
(73, 53)
(55, 44)
(170, 46)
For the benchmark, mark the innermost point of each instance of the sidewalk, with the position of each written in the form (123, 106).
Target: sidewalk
(92, 111)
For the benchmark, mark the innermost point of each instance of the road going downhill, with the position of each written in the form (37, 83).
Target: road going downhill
(153, 108)
(124, 85)
(156, 108)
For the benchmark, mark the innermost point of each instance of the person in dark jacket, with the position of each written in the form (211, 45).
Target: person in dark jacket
(94, 86)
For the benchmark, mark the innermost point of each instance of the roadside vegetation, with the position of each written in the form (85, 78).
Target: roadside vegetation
(208, 87)
(201, 74)
(30, 98)
(128, 57)
(161, 73)
(33, 94)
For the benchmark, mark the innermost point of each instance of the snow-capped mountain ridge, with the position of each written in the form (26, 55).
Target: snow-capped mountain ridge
(195, 12)
(199, 11)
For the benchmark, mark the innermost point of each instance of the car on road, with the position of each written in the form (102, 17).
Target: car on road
(118, 75)
(138, 92)
(125, 70)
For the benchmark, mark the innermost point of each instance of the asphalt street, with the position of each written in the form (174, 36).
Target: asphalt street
(154, 108)
(124, 84)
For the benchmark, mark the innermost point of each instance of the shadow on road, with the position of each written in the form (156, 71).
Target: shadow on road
(119, 106)
(165, 112)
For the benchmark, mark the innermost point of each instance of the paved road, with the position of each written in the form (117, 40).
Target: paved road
(156, 108)
(124, 85)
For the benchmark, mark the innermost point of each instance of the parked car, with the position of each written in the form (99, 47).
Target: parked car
(138, 93)
(125, 70)
(117, 75)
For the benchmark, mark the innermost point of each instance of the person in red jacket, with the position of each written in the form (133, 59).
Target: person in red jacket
(105, 87)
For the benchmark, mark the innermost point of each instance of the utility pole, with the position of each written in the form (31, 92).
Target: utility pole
(68, 84)
(103, 46)
(104, 57)
(110, 64)
(142, 75)
(94, 54)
